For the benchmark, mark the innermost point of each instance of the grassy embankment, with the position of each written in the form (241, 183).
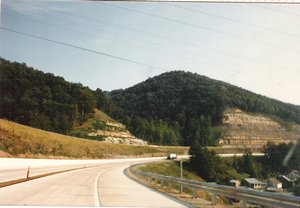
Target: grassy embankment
(22, 141)
(172, 168)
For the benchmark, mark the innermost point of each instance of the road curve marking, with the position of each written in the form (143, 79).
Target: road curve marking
(96, 194)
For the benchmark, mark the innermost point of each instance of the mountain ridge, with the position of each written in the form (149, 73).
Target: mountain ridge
(188, 104)
(173, 108)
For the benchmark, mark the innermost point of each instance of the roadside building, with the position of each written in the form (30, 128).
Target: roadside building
(235, 183)
(274, 185)
(253, 183)
(286, 182)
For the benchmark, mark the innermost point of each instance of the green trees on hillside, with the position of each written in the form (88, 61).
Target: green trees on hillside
(174, 108)
(274, 156)
(270, 164)
(247, 164)
(105, 103)
(42, 100)
(156, 132)
(189, 108)
(208, 165)
(194, 103)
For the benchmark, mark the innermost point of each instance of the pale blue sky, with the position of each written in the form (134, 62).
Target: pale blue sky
(254, 46)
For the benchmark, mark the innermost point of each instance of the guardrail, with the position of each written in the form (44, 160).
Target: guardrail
(244, 194)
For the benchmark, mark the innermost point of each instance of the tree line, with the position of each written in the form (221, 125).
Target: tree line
(213, 168)
(42, 100)
(191, 107)
(174, 108)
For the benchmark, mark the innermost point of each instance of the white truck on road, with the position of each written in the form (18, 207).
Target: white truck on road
(172, 156)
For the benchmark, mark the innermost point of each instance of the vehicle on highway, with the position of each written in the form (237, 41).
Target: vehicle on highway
(172, 156)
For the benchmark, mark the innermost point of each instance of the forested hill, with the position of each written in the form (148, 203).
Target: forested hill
(181, 107)
(172, 108)
(44, 101)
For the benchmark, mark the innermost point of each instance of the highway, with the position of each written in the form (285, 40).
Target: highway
(100, 183)
(16, 168)
(256, 154)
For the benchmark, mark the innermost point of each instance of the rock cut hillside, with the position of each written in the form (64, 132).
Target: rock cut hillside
(255, 130)
(103, 127)
(182, 108)
(174, 108)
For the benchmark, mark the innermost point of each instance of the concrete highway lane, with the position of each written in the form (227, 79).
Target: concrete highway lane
(104, 185)
(14, 174)
(69, 188)
(16, 168)
(128, 192)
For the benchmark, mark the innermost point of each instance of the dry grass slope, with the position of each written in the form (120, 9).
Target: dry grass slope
(23, 141)
(172, 168)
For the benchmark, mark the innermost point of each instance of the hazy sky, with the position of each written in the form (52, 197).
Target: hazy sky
(112, 45)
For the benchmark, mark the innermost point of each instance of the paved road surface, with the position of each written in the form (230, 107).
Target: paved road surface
(240, 154)
(13, 174)
(112, 184)
(16, 168)
(104, 185)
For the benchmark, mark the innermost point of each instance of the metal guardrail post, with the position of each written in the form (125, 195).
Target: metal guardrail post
(194, 193)
(147, 179)
(213, 199)
(181, 176)
(243, 204)
(244, 195)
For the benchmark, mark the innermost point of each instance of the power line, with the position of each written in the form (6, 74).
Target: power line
(199, 27)
(231, 19)
(84, 49)
(174, 50)
(169, 48)
(277, 10)
(222, 52)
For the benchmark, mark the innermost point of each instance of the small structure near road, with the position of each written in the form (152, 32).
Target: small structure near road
(235, 183)
(274, 185)
(289, 181)
(253, 183)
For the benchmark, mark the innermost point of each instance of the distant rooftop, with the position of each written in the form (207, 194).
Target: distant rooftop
(273, 180)
(254, 181)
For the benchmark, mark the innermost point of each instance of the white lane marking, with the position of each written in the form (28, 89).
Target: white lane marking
(96, 191)
(96, 194)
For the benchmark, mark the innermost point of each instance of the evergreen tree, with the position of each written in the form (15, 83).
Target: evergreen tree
(207, 164)
(248, 165)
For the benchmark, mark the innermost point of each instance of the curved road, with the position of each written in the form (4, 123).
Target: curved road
(102, 185)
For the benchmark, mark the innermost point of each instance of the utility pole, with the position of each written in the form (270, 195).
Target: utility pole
(181, 188)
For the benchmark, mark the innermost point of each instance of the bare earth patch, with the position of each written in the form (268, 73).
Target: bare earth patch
(5, 154)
